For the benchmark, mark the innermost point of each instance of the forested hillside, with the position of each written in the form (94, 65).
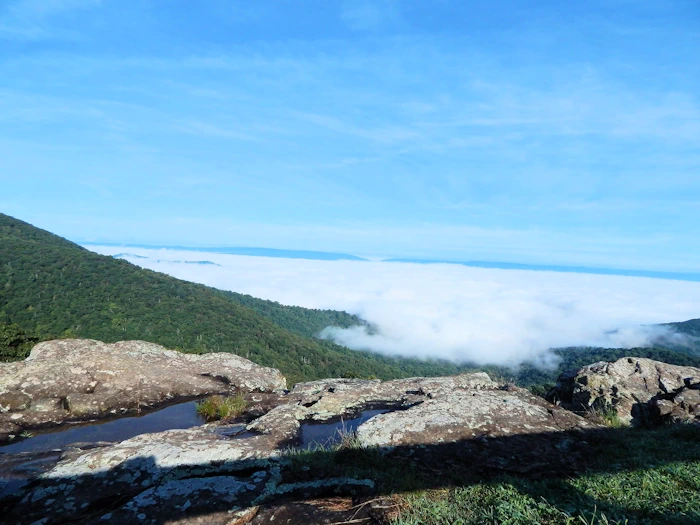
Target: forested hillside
(50, 287)
(691, 327)
(305, 321)
(54, 288)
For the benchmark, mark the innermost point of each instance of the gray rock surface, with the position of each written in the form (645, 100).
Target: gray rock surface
(198, 475)
(329, 399)
(145, 471)
(462, 415)
(640, 390)
(220, 473)
(77, 379)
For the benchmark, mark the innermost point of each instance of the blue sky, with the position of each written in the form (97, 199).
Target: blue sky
(537, 132)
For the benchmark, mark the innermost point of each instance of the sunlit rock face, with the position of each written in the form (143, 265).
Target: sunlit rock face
(80, 379)
(639, 390)
(462, 415)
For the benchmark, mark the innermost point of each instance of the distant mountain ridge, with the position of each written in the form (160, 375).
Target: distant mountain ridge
(690, 327)
(332, 256)
(126, 257)
(250, 251)
(678, 276)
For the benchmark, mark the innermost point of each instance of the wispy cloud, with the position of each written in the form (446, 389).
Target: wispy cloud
(364, 15)
(31, 19)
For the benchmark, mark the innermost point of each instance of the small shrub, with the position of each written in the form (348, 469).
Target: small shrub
(605, 415)
(219, 407)
(347, 440)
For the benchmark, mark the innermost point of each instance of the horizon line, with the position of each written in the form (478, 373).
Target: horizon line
(338, 256)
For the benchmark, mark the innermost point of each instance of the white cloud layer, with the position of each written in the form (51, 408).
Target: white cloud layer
(448, 311)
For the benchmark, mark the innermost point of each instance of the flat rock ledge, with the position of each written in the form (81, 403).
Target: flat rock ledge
(79, 379)
(222, 473)
(640, 391)
(419, 410)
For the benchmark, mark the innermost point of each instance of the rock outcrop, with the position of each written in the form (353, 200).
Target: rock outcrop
(464, 415)
(641, 391)
(146, 470)
(76, 380)
(222, 473)
(422, 410)
(329, 399)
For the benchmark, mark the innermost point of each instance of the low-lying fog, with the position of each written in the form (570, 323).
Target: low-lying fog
(444, 310)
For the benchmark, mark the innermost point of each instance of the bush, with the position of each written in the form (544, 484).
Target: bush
(15, 343)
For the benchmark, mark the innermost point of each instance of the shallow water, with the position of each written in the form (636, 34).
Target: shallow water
(320, 434)
(182, 415)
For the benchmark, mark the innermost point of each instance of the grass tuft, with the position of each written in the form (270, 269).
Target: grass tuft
(605, 415)
(219, 407)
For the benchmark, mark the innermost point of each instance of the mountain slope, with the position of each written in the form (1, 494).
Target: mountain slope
(691, 327)
(55, 288)
(51, 287)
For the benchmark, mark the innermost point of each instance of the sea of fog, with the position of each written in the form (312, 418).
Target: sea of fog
(449, 311)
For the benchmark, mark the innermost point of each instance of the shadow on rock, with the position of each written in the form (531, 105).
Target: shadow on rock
(158, 489)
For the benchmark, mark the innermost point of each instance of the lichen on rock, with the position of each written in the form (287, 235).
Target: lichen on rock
(78, 379)
(639, 390)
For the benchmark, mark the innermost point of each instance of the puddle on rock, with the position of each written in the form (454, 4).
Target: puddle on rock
(183, 415)
(16, 470)
(318, 434)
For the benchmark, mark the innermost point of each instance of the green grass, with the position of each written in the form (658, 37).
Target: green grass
(635, 476)
(219, 407)
(639, 477)
(607, 416)
(477, 504)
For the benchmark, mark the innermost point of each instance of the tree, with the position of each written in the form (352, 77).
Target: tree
(15, 343)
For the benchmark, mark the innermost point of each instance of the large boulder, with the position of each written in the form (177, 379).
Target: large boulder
(80, 379)
(463, 415)
(639, 390)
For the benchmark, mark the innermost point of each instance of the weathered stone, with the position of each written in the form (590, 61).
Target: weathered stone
(282, 421)
(14, 401)
(227, 474)
(75, 379)
(243, 516)
(459, 416)
(184, 501)
(664, 407)
(9, 428)
(334, 398)
(632, 386)
(50, 404)
(81, 483)
(682, 406)
(687, 398)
